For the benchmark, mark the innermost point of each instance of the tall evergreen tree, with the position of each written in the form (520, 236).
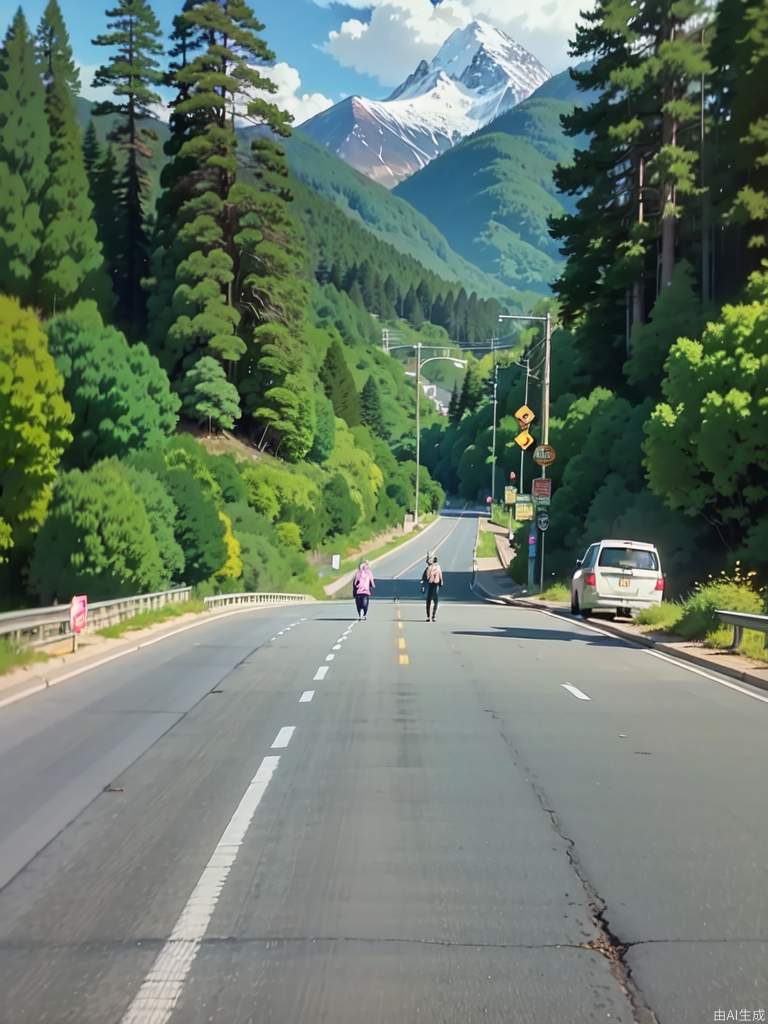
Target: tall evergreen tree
(739, 52)
(69, 263)
(228, 252)
(133, 74)
(106, 195)
(453, 406)
(24, 143)
(340, 385)
(371, 411)
(92, 155)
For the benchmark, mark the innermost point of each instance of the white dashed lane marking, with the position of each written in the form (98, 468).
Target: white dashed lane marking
(575, 691)
(306, 697)
(283, 738)
(321, 673)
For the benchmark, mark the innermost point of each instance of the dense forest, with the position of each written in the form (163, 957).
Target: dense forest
(660, 362)
(145, 307)
(192, 380)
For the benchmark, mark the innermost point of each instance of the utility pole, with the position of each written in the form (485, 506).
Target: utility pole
(418, 431)
(493, 442)
(545, 421)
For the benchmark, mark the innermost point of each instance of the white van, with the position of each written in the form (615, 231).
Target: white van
(617, 576)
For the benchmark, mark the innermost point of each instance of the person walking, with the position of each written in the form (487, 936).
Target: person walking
(363, 586)
(431, 581)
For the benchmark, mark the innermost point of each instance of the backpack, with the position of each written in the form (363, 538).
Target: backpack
(433, 574)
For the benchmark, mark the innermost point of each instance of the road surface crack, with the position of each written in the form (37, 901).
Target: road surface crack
(606, 943)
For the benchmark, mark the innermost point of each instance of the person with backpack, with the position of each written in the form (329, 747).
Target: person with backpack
(431, 581)
(363, 586)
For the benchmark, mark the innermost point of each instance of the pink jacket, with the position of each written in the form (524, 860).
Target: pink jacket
(363, 582)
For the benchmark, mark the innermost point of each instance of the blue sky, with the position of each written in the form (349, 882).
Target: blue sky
(327, 50)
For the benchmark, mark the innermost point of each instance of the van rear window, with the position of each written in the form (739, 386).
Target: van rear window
(628, 558)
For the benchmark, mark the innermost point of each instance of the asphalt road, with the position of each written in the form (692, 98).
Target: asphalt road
(310, 820)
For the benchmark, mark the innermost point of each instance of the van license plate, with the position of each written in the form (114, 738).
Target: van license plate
(624, 581)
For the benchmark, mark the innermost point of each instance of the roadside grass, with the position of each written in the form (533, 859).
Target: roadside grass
(486, 544)
(143, 619)
(663, 617)
(554, 592)
(12, 656)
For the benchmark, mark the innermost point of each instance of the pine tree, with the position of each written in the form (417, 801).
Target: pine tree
(209, 397)
(372, 413)
(24, 143)
(106, 195)
(453, 406)
(739, 52)
(133, 73)
(412, 308)
(340, 385)
(229, 255)
(69, 264)
(92, 155)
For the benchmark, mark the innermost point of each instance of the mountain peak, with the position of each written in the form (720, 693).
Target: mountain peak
(478, 73)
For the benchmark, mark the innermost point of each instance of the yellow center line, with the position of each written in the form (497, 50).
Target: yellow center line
(401, 643)
(404, 659)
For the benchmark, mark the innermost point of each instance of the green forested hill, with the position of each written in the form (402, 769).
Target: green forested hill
(491, 194)
(387, 216)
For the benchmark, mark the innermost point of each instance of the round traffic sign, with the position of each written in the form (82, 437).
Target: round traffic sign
(544, 454)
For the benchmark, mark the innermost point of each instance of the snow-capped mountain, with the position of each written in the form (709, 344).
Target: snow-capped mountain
(478, 73)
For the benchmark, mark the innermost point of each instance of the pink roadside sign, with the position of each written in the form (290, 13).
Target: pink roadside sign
(78, 613)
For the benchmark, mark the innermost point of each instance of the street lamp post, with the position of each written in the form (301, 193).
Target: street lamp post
(420, 363)
(545, 393)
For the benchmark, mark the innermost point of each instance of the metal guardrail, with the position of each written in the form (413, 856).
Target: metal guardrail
(741, 621)
(34, 627)
(227, 600)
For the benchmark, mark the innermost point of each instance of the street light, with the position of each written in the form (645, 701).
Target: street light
(547, 321)
(459, 364)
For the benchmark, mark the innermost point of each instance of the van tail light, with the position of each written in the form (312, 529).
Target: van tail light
(589, 580)
(660, 583)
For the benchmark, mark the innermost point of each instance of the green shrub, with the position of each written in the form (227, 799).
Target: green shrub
(663, 617)
(734, 595)
(290, 535)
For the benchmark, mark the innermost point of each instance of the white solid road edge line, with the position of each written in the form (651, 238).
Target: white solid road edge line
(283, 738)
(678, 662)
(707, 675)
(155, 1001)
(575, 691)
(306, 697)
(321, 673)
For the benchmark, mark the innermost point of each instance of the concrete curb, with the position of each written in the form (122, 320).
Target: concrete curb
(745, 675)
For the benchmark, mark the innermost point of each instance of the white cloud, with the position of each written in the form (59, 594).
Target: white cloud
(302, 105)
(89, 91)
(400, 33)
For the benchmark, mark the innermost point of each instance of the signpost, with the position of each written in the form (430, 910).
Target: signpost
(78, 616)
(510, 495)
(525, 416)
(335, 562)
(524, 508)
(524, 440)
(542, 520)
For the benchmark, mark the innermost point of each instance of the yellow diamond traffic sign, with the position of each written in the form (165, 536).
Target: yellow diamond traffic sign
(524, 440)
(525, 416)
